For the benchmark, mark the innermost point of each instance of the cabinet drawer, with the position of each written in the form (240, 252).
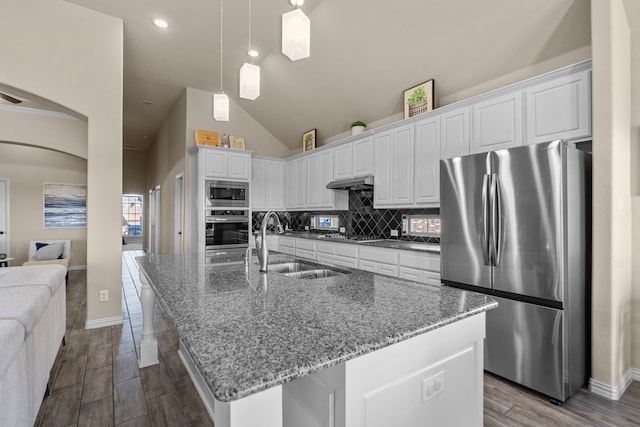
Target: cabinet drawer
(420, 260)
(367, 266)
(308, 245)
(340, 261)
(412, 274)
(346, 249)
(325, 248)
(432, 278)
(303, 253)
(286, 241)
(388, 270)
(379, 255)
(286, 250)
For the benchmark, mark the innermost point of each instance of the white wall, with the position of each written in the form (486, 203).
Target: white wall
(72, 56)
(611, 335)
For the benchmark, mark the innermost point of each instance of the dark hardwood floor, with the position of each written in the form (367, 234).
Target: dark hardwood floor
(96, 380)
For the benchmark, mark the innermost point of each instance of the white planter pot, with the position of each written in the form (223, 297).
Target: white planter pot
(357, 129)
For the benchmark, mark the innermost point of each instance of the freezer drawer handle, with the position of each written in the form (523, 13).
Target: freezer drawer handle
(485, 220)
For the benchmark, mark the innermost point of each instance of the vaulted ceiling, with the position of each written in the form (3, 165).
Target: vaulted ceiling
(364, 53)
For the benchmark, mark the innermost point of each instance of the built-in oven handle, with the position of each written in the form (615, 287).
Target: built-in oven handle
(211, 219)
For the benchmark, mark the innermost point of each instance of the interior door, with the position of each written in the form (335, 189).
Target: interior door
(530, 219)
(464, 220)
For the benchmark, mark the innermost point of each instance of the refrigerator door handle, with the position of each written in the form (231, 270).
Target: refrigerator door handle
(496, 210)
(485, 220)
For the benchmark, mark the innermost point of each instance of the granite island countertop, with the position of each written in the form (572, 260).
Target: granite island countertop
(247, 331)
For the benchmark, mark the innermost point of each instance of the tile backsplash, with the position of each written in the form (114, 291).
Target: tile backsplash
(361, 218)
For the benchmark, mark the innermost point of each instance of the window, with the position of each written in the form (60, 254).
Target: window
(421, 225)
(132, 215)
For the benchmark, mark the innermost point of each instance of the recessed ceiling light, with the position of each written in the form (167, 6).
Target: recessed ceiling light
(160, 23)
(253, 53)
(296, 2)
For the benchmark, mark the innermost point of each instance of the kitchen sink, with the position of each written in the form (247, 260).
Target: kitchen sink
(291, 267)
(319, 273)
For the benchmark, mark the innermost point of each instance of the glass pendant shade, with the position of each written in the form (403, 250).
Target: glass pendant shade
(221, 107)
(296, 35)
(249, 81)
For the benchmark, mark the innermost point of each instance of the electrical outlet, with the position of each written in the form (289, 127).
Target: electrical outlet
(342, 230)
(432, 386)
(394, 233)
(104, 295)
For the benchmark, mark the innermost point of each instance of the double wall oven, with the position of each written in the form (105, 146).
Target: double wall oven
(227, 225)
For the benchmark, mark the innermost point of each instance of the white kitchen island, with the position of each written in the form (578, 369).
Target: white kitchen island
(355, 349)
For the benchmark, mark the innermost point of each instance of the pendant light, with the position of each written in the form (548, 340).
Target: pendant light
(250, 73)
(296, 33)
(221, 100)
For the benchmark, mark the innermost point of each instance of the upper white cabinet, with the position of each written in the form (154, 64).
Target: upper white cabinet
(362, 157)
(226, 163)
(313, 194)
(329, 199)
(353, 159)
(267, 184)
(342, 161)
(301, 182)
(427, 162)
(455, 133)
(497, 123)
(290, 185)
(559, 108)
(394, 167)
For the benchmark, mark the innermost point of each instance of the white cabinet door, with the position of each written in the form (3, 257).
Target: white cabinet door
(290, 184)
(454, 133)
(497, 123)
(427, 162)
(325, 176)
(402, 166)
(362, 152)
(301, 184)
(215, 164)
(239, 165)
(559, 109)
(259, 184)
(383, 147)
(275, 186)
(313, 196)
(342, 161)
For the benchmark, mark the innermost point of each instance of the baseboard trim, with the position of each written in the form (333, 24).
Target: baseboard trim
(614, 392)
(198, 380)
(78, 267)
(101, 323)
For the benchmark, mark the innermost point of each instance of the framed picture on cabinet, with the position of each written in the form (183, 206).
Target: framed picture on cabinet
(309, 140)
(236, 142)
(419, 99)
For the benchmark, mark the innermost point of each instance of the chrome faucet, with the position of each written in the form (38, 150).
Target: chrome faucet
(263, 251)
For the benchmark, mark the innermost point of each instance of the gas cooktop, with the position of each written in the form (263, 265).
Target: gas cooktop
(352, 237)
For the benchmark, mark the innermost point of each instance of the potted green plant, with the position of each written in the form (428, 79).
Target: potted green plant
(357, 127)
(417, 101)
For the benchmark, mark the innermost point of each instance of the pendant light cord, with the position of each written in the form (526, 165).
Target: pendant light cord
(221, 47)
(249, 48)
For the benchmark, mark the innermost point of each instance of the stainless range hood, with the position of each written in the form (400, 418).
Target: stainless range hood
(359, 183)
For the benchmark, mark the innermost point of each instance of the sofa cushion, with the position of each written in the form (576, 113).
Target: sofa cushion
(46, 251)
(11, 338)
(51, 276)
(26, 304)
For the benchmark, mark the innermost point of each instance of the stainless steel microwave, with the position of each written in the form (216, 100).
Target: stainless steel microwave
(227, 194)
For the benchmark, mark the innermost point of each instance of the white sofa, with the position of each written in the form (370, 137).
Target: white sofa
(49, 252)
(32, 326)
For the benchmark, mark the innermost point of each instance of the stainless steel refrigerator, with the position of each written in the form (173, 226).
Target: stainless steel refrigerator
(515, 225)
